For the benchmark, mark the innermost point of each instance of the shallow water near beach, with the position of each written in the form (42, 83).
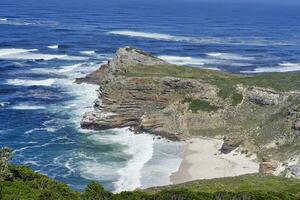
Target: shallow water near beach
(45, 45)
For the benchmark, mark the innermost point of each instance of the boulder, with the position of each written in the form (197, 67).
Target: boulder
(263, 96)
(231, 142)
(296, 125)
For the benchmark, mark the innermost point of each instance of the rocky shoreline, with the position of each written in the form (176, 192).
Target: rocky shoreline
(260, 120)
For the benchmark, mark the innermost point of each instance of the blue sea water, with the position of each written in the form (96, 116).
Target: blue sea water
(45, 45)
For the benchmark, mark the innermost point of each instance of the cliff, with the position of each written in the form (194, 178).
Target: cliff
(261, 114)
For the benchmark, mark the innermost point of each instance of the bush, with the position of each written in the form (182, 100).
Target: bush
(236, 98)
(95, 191)
(5, 156)
(196, 105)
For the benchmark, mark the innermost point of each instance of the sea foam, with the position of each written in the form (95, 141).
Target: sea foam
(199, 39)
(32, 54)
(190, 61)
(230, 56)
(28, 107)
(283, 67)
(25, 82)
(53, 47)
(138, 147)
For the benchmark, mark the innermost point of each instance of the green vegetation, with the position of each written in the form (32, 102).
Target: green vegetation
(195, 105)
(236, 98)
(24, 184)
(226, 82)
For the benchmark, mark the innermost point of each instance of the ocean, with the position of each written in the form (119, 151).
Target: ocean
(45, 45)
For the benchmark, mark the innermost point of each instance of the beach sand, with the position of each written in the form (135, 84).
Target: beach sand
(203, 160)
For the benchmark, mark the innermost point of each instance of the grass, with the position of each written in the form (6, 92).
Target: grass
(29, 185)
(250, 183)
(195, 105)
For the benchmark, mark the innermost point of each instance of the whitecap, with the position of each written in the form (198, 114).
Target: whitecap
(30, 54)
(28, 107)
(87, 52)
(48, 129)
(26, 82)
(57, 70)
(283, 67)
(30, 162)
(199, 40)
(3, 104)
(190, 61)
(16, 22)
(53, 47)
(229, 56)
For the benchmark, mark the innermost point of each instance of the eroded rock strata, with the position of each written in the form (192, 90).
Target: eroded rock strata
(145, 93)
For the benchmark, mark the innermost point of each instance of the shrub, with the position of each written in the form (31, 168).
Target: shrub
(95, 191)
(5, 156)
(236, 98)
(202, 105)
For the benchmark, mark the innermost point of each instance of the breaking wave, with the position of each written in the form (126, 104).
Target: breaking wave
(199, 40)
(229, 56)
(138, 147)
(32, 54)
(24, 82)
(28, 107)
(283, 67)
(190, 61)
(53, 47)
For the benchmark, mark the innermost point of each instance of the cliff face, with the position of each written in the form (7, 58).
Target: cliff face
(140, 91)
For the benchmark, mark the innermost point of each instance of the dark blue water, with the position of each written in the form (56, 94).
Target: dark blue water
(45, 45)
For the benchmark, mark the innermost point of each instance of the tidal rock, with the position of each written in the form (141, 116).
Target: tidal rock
(230, 143)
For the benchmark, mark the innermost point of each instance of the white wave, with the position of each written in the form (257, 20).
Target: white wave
(87, 52)
(190, 61)
(53, 47)
(48, 129)
(229, 56)
(6, 52)
(57, 70)
(138, 147)
(25, 82)
(16, 22)
(198, 40)
(283, 67)
(30, 54)
(30, 162)
(3, 104)
(182, 60)
(28, 107)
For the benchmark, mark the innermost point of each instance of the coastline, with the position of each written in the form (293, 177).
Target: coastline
(202, 160)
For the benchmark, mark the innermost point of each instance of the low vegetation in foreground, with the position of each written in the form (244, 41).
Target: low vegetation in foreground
(21, 183)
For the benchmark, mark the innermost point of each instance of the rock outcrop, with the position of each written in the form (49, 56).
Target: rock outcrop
(140, 91)
(264, 96)
(268, 165)
(231, 142)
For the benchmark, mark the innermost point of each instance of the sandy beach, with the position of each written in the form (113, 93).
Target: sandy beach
(203, 160)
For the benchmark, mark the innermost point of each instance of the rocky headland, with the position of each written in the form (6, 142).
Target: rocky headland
(254, 114)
